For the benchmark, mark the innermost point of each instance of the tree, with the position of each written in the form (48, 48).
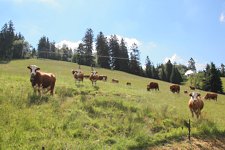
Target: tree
(155, 72)
(222, 71)
(215, 81)
(124, 60)
(163, 73)
(88, 48)
(191, 65)
(79, 55)
(168, 70)
(175, 76)
(102, 49)
(115, 52)
(43, 47)
(148, 67)
(135, 65)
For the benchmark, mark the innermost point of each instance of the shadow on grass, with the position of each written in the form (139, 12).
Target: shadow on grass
(34, 99)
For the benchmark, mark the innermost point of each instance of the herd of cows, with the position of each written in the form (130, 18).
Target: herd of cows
(46, 81)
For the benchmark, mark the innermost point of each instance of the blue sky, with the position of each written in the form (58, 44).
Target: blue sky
(163, 29)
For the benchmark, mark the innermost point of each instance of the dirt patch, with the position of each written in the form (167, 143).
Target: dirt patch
(194, 144)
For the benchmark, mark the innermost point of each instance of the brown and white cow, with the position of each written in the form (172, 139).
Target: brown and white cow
(41, 80)
(195, 104)
(211, 96)
(93, 77)
(115, 81)
(128, 83)
(175, 88)
(153, 85)
(102, 77)
(78, 75)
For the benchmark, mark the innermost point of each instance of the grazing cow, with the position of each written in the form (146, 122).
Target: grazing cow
(115, 81)
(195, 104)
(94, 77)
(185, 92)
(86, 76)
(128, 83)
(153, 85)
(211, 96)
(78, 75)
(175, 88)
(41, 80)
(192, 87)
(102, 77)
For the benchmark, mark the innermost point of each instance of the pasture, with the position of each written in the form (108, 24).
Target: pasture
(106, 116)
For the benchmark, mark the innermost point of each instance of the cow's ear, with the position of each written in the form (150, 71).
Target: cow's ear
(190, 94)
(38, 68)
(199, 94)
(73, 71)
(28, 67)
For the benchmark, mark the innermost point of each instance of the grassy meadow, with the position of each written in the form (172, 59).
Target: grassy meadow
(106, 116)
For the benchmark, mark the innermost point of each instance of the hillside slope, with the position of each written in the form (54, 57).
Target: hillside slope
(106, 116)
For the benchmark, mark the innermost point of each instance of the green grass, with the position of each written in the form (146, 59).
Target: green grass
(108, 116)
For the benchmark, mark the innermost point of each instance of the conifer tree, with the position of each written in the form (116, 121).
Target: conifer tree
(88, 47)
(115, 52)
(124, 60)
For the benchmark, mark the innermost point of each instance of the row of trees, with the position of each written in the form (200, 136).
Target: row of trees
(208, 80)
(12, 45)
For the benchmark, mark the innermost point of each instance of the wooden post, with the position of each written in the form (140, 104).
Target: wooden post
(189, 130)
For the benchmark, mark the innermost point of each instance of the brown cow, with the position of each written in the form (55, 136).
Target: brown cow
(192, 87)
(128, 83)
(102, 77)
(86, 76)
(94, 77)
(78, 75)
(153, 85)
(211, 96)
(175, 88)
(185, 92)
(41, 80)
(195, 104)
(115, 81)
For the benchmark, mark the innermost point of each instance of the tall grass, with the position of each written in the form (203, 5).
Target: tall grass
(106, 116)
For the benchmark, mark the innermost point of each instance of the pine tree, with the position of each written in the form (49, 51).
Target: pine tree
(215, 81)
(124, 61)
(191, 64)
(148, 67)
(79, 55)
(222, 71)
(135, 65)
(115, 52)
(168, 70)
(155, 72)
(102, 49)
(162, 73)
(88, 48)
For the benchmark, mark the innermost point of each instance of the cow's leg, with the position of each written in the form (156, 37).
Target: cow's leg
(192, 113)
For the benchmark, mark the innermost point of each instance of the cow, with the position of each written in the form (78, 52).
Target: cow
(192, 87)
(211, 96)
(78, 75)
(175, 88)
(115, 81)
(86, 76)
(153, 85)
(94, 77)
(128, 83)
(195, 104)
(41, 80)
(185, 92)
(102, 77)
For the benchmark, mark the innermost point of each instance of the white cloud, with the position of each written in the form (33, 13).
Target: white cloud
(70, 44)
(222, 18)
(129, 41)
(174, 59)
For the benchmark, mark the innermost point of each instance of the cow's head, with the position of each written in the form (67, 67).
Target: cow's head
(33, 70)
(94, 73)
(194, 96)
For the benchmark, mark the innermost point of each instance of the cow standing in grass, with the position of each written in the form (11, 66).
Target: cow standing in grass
(195, 104)
(93, 77)
(175, 88)
(41, 80)
(78, 75)
(211, 96)
(153, 85)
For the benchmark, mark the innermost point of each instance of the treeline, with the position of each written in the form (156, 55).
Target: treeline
(12, 45)
(209, 79)
(110, 53)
